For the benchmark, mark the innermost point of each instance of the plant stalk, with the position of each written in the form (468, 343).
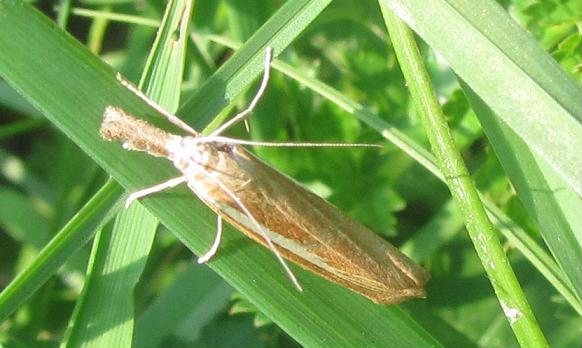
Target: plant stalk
(481, 231)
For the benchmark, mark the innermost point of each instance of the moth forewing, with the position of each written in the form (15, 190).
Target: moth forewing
(311, 232)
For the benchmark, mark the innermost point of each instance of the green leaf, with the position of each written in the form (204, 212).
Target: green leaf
(546, 197)
(119, 257)
(510, 72)
(59, 250)
(103, 316)
(187, 306)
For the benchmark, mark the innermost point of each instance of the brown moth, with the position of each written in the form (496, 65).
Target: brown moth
(270, 207)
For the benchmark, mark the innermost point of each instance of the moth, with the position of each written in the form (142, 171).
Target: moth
(268, 206)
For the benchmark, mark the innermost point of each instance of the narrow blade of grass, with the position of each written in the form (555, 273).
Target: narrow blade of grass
(547, 198)
(73, 236)
(104, 315)
(510, 72)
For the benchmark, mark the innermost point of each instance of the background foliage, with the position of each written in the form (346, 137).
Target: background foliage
(47, 181)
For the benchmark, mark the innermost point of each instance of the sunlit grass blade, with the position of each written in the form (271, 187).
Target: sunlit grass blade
(164, 70)
(104, 314)
(119, 257)
(547, 198)
(510, 72)
(71, 238)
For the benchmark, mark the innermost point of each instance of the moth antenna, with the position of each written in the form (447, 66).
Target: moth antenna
(260, 228)
(227, 140)
(242, 115)
(169, 116)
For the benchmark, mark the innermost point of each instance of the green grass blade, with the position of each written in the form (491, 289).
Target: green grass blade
(510, 72)
(555, 208)
(119, 258)
(187, 305)
(72, 88)
(537, 255)
(71, 238)
(164, 69)
(247, 63)
(104, 314)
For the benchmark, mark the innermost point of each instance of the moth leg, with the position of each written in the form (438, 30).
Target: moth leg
(242, 115)
(204, 258)
(169, 116)
(150, 190)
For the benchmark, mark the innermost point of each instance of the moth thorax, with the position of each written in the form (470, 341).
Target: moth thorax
(190, 155)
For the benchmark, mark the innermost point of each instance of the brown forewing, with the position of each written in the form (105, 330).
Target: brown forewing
(345, 251)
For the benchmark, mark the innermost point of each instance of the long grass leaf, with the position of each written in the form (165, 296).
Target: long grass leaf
(510, 72)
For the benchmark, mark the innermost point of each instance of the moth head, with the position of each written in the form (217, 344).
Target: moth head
(135, 134)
